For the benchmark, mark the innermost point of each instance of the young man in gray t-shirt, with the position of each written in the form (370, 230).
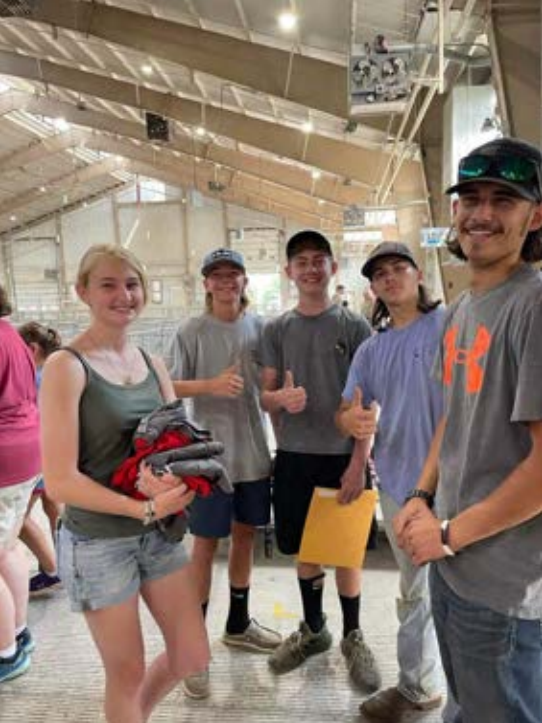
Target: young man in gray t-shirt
(306, 355)
(486, 457)
(215, 359)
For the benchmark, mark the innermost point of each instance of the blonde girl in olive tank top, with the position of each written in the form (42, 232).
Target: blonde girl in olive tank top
(112, 554)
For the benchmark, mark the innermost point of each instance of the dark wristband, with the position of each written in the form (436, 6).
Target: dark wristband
(416, 493)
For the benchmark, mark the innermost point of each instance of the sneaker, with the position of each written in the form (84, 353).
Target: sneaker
(41, 583)
(13, 667)
(390, 704)
(361, 662)
(197, 685)
(25, 641)
(298, 647)
(255, 638)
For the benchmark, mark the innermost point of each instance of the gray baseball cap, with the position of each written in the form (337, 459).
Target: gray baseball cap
(222, 256)
(387, 248)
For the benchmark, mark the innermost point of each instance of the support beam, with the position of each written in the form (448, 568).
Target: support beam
(290, 175)
(310, 82)
(242, 198)
(80, 177)
(337, 157)
(515, 39)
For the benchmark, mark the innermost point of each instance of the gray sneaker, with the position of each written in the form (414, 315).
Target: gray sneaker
(361, 662)
(298, 647)
(255, 638)
(197, 685)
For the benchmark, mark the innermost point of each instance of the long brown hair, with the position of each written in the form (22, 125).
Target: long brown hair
(381, 316)
(46, 338)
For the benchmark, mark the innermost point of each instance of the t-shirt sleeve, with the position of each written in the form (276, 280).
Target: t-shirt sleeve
(358, 377)
(528, 341)
(269, 348)
(178, 358)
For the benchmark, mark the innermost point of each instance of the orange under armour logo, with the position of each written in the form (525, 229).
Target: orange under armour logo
(454, 355)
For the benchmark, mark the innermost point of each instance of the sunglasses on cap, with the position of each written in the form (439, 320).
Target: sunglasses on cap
(513, 169)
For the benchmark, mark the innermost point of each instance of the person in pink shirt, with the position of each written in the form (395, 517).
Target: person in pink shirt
(19, 470)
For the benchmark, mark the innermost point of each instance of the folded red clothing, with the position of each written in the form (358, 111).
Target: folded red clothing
(125, 476)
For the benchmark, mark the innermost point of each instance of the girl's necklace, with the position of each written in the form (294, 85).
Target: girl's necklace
(120, 366)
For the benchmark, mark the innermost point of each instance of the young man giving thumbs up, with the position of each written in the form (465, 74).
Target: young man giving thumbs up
(214, 358)
(306, 355)
(393, 368)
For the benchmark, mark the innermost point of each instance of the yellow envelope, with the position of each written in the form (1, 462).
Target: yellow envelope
(334, 534)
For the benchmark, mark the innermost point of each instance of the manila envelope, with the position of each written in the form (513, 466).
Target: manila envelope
(334, 534)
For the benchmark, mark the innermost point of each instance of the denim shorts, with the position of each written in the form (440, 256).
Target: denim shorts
(13, 505)
(100, 572)
(249, 504)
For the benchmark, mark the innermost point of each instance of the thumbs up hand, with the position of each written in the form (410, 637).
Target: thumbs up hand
(358, 422)
(228, 383)
(291, 398)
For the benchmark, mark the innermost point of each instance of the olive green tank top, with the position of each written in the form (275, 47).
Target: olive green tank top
(108, 417)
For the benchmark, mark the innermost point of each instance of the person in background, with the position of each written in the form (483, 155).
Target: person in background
(307, 353)
(41, 341)
(19, 471)
(215, 360)
(393, 369)
(112, 553)
(485, 461)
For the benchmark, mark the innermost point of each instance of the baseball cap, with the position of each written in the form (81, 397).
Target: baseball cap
(222, 256)
(307, 239)
(387, 248)
(509, 162)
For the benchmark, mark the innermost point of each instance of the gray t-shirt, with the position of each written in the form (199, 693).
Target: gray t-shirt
(490, 362)
(318, 351)
(201, 349)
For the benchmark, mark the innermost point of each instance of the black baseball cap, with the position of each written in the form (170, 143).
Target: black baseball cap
(308, 239)
(383, 250)
(222, 256)
(509, 162)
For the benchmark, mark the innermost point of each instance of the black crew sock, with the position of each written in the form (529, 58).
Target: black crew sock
(238, 619)
(204, 607)
(312, 590)
(350, 608)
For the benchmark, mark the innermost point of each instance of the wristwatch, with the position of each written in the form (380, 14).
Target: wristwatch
(149, 513)
(445, 538)
(416, 493)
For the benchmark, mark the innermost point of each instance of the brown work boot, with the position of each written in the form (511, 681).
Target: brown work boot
(390, 704)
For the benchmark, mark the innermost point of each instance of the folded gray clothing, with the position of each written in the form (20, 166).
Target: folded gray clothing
(210, 468)
(199, 450)
(169, 417)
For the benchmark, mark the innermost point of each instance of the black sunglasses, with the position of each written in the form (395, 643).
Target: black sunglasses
(514, 169)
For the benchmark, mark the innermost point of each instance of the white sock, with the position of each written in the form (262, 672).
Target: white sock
(49, 573)
(8, 652)
(20, 629)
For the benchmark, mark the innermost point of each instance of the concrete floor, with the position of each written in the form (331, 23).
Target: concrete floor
(65, 681)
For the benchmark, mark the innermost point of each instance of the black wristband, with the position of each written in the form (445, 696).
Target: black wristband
(416, 493)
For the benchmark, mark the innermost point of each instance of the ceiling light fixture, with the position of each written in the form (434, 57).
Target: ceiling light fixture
(200, 131)
(316, 174)
(147, 69)
(307, 127)
(287, 21)
(61, 124)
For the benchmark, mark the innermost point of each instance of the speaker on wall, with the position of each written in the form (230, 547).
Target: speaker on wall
(157, 127)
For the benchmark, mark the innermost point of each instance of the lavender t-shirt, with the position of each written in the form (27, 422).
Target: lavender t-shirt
(393, 368)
